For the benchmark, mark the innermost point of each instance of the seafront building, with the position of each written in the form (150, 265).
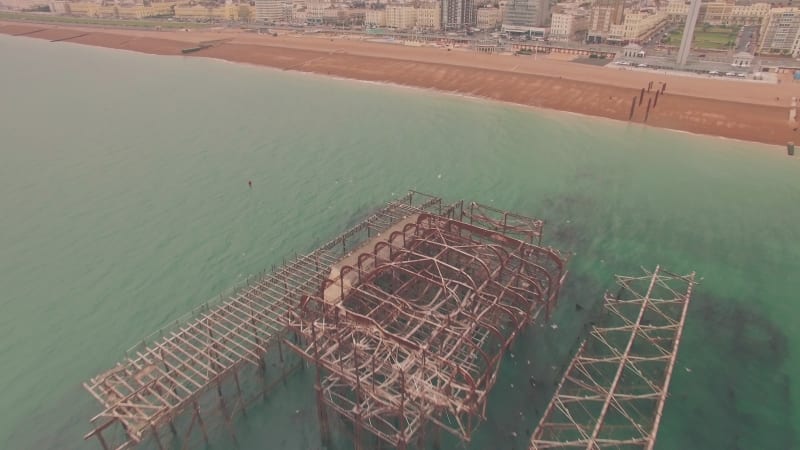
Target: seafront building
(780, 32)
(270, 10)
(299, 15)
(488, 17)
(750, 14)
(429, 16)
(228, 11)
(89, 9)
(720, 13)
(637, 26)
(677, 10)
(401, 17)
(611, 22)
(569, 22)
(424, 16)
(458, 14)
(116, 11)
(198, 12)
(315, 11)
(133, 11)
(375, 17)
(526, 16)
(603, 15)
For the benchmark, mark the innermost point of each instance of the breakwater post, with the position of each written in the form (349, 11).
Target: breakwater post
(633, 106)
(647, 112)
(663, 87)
(641, 97)
(655, 101)
(790, 148)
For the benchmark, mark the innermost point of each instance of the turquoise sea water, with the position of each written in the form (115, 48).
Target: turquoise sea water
(124, 203)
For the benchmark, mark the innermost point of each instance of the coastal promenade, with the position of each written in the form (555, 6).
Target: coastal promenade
(729, 108)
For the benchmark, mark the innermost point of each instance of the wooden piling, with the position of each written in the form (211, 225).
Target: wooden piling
(200, 421)
(641, 97)
(156, 436)
(647, 112)
(663, 87)
(633, 106)
(239, 392)
(655, 101)
(102, 440)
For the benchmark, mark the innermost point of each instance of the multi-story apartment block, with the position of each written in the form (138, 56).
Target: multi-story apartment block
(457, 14)
(375, 18)
(270, 10)
(566, 25)
(526, 15)
(299, 15)
(488, 17)
(401, 17)
(638, 26)
(120, 11)
(133, 11)
(315, 11)
(720, 12)
(225, 12)
(780, 32)
(750, 14)
(677, 10)
(603, 15)
(429, 16)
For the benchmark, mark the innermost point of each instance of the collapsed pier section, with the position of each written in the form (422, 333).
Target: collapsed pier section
(408, 333)
(614, 390)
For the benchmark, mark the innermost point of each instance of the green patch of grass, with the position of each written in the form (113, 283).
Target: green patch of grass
(715, 38)
(49, 18)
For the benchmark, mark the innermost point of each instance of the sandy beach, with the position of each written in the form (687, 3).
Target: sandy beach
(729, 108)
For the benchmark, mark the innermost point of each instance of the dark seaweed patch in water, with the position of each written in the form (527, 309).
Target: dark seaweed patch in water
(738, 389)
(559, 215)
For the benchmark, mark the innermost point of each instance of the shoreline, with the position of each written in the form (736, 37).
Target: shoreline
(724, 108)
(522, 106)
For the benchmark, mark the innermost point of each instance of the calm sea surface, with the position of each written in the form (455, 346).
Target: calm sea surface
(124, 203)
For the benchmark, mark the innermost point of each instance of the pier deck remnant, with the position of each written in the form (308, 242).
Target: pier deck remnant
(467, 278)
(614, 390)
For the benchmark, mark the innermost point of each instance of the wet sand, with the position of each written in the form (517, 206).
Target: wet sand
(729, 108)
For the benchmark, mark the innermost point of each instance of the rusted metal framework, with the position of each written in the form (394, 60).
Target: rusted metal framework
(613, 392)
(176, 371)
(408, 333)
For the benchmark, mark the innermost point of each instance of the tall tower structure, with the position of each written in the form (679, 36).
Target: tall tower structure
(688, 32)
